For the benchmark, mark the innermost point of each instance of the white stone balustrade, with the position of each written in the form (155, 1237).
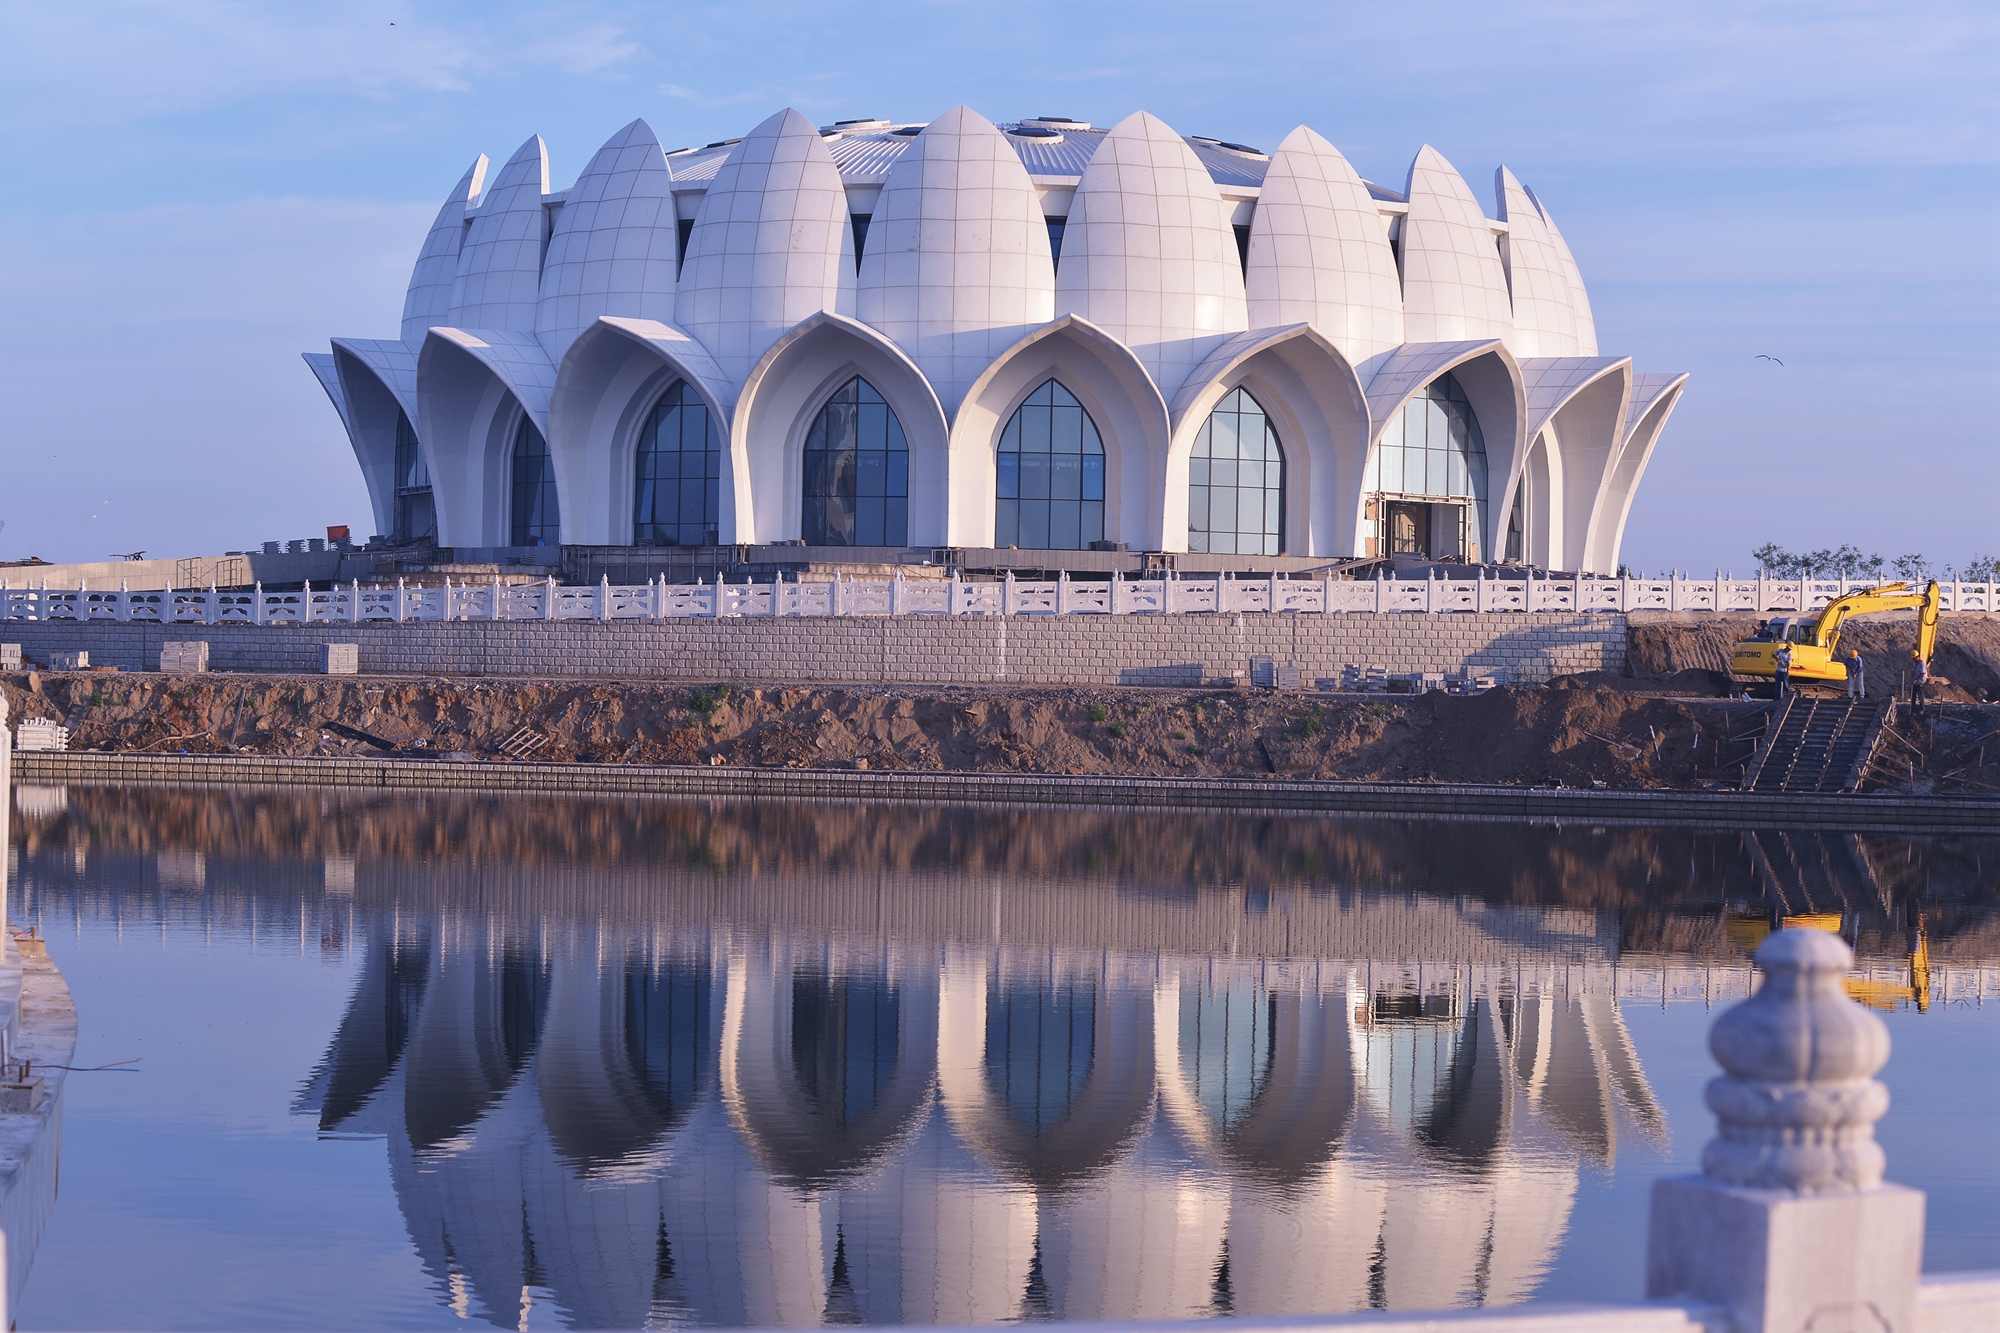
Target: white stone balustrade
(340, 604)
(1790, 1225)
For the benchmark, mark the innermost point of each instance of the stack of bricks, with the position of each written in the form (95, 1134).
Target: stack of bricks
(179, 657)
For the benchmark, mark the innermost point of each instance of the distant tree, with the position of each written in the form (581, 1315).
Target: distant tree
(1911, 568)
(1981, 569)
(1846, 558)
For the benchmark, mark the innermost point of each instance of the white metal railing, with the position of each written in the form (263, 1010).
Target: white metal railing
(352, 604)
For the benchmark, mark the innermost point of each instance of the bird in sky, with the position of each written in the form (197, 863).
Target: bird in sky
(1773, 359)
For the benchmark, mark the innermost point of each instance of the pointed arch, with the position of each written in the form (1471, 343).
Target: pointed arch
(1654, 398)
(1491, 379)
(1576, 409)
(1123, 402)
(1315, 400)
(1048, 1138)
(608, 382)
(812, 1117)
(785, 391)
(473, 388)
(378, 385)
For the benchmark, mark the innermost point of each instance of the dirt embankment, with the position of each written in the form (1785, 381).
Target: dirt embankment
(1665, 725)
(1576, 736)
(1966, 664)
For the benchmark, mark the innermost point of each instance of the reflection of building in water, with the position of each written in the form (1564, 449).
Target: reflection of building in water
(774, 1128)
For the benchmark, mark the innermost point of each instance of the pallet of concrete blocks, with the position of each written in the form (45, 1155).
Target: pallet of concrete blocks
(339, 659)
(1476, 680)
(10, 657)
(41, 733)
(69, 659)
(182, 657)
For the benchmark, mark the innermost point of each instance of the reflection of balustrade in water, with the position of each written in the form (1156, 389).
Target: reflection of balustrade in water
(352, 604)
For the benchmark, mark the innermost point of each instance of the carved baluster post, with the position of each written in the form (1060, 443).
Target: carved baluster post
(1790, 1225)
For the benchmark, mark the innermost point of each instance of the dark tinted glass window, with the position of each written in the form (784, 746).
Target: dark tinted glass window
(678, 497)
(1236, 482)
(856, 487)
(416, 511)
(1051, 475)
(537, 520)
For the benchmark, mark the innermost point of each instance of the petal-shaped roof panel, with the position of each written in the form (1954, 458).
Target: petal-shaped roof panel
(616, 247)
(1412, 366)
(428, 301)
(516, 360)
(1579, 300)
(392, 362)
(1553, 380)
(1647, 390)
(328, 375)
(500, 265)
(771, 244)
(1319, 252)
(1149, 254)
(1544, 325)
(957, 267)
(1453, 284)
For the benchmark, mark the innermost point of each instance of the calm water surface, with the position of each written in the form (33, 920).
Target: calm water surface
(421, 1062)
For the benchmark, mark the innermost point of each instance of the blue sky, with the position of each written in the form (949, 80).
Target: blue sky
(201, 191)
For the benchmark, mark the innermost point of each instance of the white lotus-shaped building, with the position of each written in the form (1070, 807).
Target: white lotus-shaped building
(1039, 334)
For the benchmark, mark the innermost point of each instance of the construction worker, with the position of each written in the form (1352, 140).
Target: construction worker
(1783, 662)
(1857, 675)
(1920, 677)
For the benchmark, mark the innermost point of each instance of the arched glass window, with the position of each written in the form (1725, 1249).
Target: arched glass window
(857, 472)
(1041, 1044)
(677, 495)
(1051, 475)
(1236, 482)
(1426, 485)
(416, 510)
(537, 519)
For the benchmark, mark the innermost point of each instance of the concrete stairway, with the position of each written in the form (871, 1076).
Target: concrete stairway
(1817, 745)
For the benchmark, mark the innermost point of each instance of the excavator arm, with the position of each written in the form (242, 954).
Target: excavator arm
(1888, 597)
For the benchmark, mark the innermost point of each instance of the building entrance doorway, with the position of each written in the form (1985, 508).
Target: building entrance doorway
(1409, 528)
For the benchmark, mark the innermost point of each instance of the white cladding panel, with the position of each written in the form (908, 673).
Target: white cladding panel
(1149, 255)
(957, 267)
(1319, 252)
(616, 246)
(772, 244)
(1453, 285)
(500, 264)
(436, 274)
(1544, 325)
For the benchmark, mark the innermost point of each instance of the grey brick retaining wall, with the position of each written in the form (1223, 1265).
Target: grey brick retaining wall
(926, 650)
(1883, 813)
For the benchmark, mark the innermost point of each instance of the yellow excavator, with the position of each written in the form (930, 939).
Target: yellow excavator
(1815, 640)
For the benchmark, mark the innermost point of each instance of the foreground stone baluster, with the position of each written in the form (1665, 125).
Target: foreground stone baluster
(1790, 1226)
